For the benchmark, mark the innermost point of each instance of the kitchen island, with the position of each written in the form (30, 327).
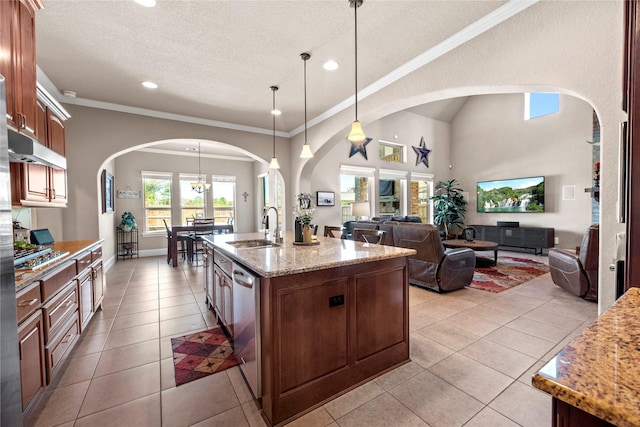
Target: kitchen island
(328, 316)
(595, 380)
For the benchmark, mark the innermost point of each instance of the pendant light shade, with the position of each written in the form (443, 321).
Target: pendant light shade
(306, 150)
(274, 160)
(200, 186)
(357, 134)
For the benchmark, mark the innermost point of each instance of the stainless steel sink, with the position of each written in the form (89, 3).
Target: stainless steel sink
(254, 243)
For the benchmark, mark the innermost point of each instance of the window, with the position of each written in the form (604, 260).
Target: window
(538, 104)
(191, 202)
(421, 189)
(354, 187)
(391, 152)
(224, 196)
(157, 200)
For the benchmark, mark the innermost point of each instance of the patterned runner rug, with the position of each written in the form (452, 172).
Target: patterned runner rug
(510, 272)
(201, 354)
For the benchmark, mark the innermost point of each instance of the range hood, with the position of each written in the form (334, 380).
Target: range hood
(23, 149)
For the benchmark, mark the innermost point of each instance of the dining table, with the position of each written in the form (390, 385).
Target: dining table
(193, 228)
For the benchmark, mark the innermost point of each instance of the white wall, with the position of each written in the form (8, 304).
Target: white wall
(128, 173)
(491, 140)
(403, 128)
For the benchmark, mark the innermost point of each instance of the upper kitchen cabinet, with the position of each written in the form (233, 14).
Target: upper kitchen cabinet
(18, 62)
(34, 184)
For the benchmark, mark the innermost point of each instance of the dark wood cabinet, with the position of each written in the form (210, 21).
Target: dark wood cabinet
(39, 185)
(326, 331)
(32, 367)
(27, 110)
(19, 64)
(565, 415)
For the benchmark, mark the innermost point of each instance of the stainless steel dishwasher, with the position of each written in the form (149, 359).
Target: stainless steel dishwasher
(246, 326)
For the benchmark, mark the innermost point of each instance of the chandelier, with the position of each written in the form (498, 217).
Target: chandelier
(200, 186)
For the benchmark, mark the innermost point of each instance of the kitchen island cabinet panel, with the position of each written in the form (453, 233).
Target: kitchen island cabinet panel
(298, 374)
(380, 311)
(308, 324)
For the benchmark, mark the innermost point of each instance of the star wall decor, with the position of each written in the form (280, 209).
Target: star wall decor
(360, 147)
(422, 153)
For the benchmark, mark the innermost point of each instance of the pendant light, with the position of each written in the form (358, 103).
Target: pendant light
(356, 134)
(306, 150)
(274, 160)
(199, 186)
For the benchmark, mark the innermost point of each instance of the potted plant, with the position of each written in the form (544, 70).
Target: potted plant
(128, 222)
(449, 207)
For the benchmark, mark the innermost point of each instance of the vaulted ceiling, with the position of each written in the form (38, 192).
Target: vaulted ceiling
(215, 60)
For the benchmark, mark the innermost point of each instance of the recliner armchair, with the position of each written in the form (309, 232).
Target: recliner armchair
(433, 267)
(578, 273)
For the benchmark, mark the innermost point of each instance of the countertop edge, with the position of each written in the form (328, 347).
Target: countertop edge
(218, 242)
(572, 362)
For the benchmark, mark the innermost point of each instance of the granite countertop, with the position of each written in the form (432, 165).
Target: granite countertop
(599, 371)
(74, 247)
(292, 259)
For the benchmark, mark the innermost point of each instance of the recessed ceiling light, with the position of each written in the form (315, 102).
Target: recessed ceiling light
(146, 3)
(330, 65)
(276, 112)
(149, 85)
(69, 93)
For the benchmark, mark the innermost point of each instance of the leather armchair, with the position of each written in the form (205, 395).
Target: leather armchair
(578, 273)
(432, 267)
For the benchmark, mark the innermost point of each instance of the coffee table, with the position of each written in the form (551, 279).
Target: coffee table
(476, 245)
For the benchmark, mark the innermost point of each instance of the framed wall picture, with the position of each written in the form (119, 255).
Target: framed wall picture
(107, 192)
(326, 198)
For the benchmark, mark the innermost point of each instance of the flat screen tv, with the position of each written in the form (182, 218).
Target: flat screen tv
(387, 187)
(512, 195)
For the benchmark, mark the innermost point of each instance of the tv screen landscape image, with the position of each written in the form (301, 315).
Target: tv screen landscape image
(512, 195)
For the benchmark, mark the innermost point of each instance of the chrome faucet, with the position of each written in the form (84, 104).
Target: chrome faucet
(265, 220)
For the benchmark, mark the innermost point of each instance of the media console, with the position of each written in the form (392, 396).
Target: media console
(536, 238)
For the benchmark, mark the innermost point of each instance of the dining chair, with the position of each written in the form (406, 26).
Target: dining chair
(332, 231)
(195, 245)
(369, 236)
(182, 239)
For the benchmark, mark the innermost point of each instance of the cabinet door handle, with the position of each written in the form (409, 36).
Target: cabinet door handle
(67, 338)
(53, 193)
(27, 303)
(68, 303)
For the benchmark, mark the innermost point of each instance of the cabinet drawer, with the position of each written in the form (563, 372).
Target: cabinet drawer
(59, 310)
(83, 263)
(28, 301)
(52, 283)
(56, 351)
(96, 254)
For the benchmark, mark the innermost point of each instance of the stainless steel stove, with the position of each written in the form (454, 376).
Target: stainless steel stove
(35, 258)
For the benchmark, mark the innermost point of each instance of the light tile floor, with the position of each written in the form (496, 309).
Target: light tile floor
(472, 357)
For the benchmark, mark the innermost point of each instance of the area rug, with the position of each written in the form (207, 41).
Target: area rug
(510, 272)
(201, 354)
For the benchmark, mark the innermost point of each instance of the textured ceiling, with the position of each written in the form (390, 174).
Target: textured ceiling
(216, 59)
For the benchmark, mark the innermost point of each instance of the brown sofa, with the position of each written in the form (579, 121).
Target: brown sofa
(432, 267)
(577, 273)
